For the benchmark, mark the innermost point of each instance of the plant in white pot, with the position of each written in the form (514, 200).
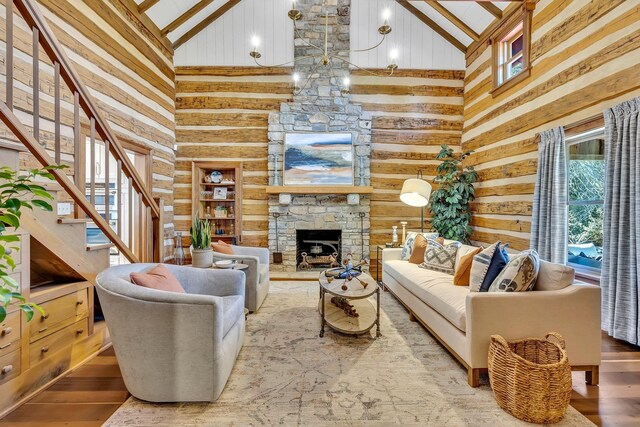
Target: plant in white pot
(201, 252)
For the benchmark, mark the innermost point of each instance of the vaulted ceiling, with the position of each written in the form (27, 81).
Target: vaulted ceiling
(459, 22)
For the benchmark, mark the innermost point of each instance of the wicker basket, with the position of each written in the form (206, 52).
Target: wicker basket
(531, 378)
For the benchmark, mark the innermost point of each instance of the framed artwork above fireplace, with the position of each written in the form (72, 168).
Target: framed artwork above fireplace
(318, 158)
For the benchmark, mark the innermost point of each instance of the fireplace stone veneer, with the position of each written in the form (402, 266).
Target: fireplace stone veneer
(320, 107)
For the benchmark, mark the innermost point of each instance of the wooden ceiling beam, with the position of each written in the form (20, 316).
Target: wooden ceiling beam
(173, 25)
(435, 27)
(491, 8)
(146, 5)
(453, 19)
(205, 23)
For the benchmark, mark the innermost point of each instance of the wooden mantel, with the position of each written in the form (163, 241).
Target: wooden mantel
(316, 189)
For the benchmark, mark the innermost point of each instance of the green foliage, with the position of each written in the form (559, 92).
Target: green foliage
(18, 191)
(200, 233)
(450, 201)
(586, 183)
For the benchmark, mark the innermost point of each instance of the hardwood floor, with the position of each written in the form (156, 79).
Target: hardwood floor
(90, 394)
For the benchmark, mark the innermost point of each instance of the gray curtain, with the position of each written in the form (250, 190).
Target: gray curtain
(621, 249)
(549, 218)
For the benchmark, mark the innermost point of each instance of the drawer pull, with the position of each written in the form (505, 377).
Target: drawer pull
(80, 302)
(44, 349)
(79, 331)
(6, 331)
(8, 251)
(2, 347)
(6, 369)
(42, 330)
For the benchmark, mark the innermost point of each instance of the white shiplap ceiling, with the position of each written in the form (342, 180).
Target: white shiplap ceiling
(220, 28)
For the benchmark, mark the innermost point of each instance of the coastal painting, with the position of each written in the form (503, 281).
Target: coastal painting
(318, 159)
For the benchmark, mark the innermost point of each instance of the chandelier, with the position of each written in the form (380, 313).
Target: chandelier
(324, 56)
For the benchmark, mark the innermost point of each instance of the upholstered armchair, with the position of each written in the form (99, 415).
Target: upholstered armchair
(175, 347)
(257, 274)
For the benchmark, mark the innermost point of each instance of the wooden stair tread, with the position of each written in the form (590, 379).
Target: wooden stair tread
(98, 247)
(73, 220)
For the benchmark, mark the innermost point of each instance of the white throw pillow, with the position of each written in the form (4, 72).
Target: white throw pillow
(519, 275)
(553, 277)
(480, 266)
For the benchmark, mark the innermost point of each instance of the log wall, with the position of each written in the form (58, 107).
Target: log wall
(584, 59)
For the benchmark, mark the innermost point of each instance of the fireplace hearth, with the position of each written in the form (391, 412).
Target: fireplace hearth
(318, 249)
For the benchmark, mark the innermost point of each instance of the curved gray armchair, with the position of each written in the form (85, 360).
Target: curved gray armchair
(174, 347)
(257, 274)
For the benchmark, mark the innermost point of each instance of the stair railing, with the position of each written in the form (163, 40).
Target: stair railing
(142, 243)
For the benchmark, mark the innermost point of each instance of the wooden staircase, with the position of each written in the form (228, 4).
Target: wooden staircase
(57, 267)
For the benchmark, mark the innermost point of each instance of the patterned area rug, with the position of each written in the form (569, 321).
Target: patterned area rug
(287, 375)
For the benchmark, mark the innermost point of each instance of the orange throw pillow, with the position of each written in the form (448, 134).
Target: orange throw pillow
(159, 278)
(462, 274)
(223, 248)
(419, 247)
(440, 240)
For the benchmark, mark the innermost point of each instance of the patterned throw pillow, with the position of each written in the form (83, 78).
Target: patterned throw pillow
(499, 261)
(440, 258)
(519, 275)
(407, 249)
(480, 266)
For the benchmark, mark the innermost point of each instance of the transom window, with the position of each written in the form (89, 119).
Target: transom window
(586, 174)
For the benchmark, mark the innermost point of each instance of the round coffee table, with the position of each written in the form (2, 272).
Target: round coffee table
(356, 295)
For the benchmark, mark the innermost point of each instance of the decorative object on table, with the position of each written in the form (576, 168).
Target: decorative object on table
(225, 263)
(320, 158)
(451, 201)
(227, 181)
(404, 230)
(348, 271)
(216, 177)
(389, 245)
(343, 304)
(322, 53)
(394, 234)
(178, 253)
(277, 255)
(519, 275)
(207, 214)
(441, 258)
(220, 212)
(220, 193)
(531, 378)
(207, 179)
(201, 251)
(415, 192)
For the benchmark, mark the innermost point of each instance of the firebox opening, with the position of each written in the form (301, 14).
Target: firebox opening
(318, 249)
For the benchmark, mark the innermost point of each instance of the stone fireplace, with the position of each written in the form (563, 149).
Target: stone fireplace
(318, 249)
(321, 107)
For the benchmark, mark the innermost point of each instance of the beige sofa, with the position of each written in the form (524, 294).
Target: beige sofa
(464, 321)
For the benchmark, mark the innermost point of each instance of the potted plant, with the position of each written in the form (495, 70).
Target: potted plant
(450, 202)
(18, 191)
(201, 252)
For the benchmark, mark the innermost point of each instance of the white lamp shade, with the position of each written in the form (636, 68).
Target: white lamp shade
(416, 192)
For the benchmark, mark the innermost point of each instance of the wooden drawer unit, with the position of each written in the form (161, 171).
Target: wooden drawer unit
(59, 313)
(10, 333)
(61, 340)
(15, 249)
(9, 366)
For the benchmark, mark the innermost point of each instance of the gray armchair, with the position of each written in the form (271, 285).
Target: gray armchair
(257, 274)
(174, 347)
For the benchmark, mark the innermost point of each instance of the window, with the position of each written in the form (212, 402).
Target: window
(511, 46)
(586, 173)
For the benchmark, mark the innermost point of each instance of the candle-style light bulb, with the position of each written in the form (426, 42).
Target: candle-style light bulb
(346, 82)
(386, 14)
(385, 28)
(393, 56)
(296, 78)
(255, 42)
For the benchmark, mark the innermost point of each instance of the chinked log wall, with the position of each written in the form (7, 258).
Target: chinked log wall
(584, 59)
(222, 114)
(127, 68)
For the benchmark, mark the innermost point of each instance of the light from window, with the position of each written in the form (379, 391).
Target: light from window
(586, 200)
(511, 61)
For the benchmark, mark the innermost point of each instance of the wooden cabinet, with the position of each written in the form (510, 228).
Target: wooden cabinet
(59, 313)
(10, 365)
(64, 338)
(10, 333)
(217, 196)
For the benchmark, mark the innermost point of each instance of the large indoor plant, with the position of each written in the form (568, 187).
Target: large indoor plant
(17, 191)
(201, 252)
(450, 202)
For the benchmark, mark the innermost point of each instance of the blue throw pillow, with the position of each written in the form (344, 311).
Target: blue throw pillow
(499, 261)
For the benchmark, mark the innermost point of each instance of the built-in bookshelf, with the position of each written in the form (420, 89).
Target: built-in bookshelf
(218, 197)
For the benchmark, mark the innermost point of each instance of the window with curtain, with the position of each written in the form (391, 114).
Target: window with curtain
(586, 176)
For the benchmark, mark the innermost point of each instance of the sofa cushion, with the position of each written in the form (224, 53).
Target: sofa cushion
(440, 258)
(233, 309)
(419, 247)
(407, 248)
(433, 288)
(263, 270)
(498, 263)
(159, 278)
(553, 277)
(223, 248)
(462, 274)
(480, 266)
(464, 249)
(519, 275)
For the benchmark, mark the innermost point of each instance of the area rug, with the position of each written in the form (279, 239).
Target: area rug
(287, 375)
